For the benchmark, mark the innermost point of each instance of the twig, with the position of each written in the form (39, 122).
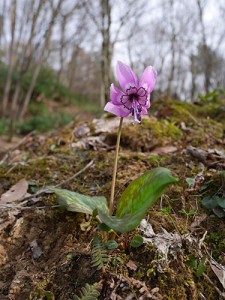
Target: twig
(26, 207)
(46, 190)
(16, 146)
(212, 283)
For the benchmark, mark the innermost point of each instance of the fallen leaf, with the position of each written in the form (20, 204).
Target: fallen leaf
(163, 150)
(219, 271)
(197, 221)
(16, 192)
(131, 265)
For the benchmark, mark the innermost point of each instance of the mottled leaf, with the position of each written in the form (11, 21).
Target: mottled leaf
(210, 202)
(111, 245)
(144, 191)
(73, 201)
(124, 224)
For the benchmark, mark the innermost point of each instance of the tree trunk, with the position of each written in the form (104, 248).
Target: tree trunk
(173, 49)
(25, 60)
(39, 63)
(2, 21)
(11, 58)
(105, 51)
(204, 46)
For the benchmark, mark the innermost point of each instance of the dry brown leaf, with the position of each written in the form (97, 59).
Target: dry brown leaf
(219, 271)
(16, 192)
(131, 265)
(197, 221)
(163, 150)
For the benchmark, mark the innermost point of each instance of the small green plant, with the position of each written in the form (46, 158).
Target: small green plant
(89, 292)
(98, 253)
(136, 241)
(214, 198)
(190, 181)
(199, 266)
(187, 214)
(167, 211)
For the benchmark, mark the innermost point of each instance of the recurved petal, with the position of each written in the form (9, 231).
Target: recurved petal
(148, 79)
(148, 103)
(118, 110)
(115, 94)
(144, 111)
(125, 76)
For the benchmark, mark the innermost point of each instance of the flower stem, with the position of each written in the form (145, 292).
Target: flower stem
(111, 202)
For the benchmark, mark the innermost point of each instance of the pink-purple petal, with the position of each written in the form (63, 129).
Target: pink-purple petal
(125, 76)
(141, 91)
(148, 103)
(115, 94)
(148, 79)
(131, 91)
(144, 111)
(125, 100)
(118, 110)
(142, 100)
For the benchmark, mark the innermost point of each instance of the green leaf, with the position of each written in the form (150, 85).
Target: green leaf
(190, 181)
(69, 256)
(143, 192)
(192, 262)
(220, 202)
(200, 269)
(73, 201)
(135, 201)
(210, 202)
(104, 227)
(111, 245)
(136, 241)
(124, 224)
(219, 212)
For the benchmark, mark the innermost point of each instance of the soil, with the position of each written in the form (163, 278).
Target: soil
(46, 252)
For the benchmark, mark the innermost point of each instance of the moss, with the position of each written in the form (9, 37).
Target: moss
(150, 134)
(163, 129)
(216, 242)
(183, 112)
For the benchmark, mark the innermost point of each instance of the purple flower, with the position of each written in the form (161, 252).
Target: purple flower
(135, 95)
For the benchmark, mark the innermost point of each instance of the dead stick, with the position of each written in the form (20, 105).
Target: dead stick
(43, 191)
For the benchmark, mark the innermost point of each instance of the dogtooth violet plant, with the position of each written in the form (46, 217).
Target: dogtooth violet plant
(143, 192)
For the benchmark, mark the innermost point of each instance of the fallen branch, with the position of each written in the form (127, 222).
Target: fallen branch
(46, 190)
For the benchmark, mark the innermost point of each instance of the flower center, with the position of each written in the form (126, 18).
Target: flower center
(134, 100)
(134, 94)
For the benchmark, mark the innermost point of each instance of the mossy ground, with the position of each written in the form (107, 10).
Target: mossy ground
(64, 237)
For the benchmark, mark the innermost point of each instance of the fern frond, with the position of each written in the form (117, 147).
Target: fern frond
(88, 292)
(98, 253)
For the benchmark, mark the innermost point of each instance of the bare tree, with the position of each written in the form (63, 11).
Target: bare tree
(2, 21)
(13, 8)
(55, 12)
